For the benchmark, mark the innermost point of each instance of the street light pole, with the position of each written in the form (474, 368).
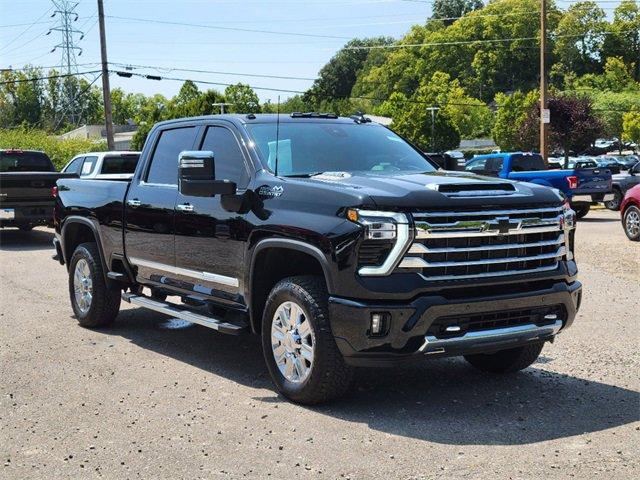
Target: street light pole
(106, 90)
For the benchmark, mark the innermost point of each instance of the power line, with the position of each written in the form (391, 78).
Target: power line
(217, 27)
(35, 22)
(189, 70)
(37, 79)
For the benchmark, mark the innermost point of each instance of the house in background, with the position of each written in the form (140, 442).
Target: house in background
(122, 134)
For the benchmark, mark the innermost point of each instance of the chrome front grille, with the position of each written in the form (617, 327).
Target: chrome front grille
(462, 245)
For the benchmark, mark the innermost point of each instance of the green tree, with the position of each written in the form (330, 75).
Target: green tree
(631, 127)
(624, 38)
(611, 106)
(512, 112)
(447, 10)
(580, 38)
(243, 98)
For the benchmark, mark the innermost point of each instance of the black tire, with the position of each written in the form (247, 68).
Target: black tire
(105, 301)
(632, 213)
(615, 203)
(506, 361)
(581, 210)
(329, 377)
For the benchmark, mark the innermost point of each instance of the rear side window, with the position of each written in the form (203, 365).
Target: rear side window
(74, 166)
(527, 163)
(164, 162)
(476, 165)
(19, 161)
(228, 158)
(120, 164)
(88, 166)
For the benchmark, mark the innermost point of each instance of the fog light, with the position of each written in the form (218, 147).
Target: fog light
(379, 324)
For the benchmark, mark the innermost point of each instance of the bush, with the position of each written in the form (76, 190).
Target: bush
(60, 151)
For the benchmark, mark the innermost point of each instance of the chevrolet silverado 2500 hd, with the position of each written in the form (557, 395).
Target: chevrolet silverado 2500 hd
(333, 238)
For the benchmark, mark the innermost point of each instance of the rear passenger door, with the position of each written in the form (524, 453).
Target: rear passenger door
(149, 207)
(209, 239)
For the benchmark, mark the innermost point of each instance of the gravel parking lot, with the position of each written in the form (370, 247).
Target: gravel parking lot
(142, 400)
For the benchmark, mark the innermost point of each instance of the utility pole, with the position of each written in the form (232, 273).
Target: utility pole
(433, 127)
(106, 90)
(545, 116)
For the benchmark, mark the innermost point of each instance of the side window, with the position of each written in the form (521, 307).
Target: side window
(74, 166)
(88, 165)
(228, 158)
(476, 165)
(164, 162)
(527, 163)
(495, 165)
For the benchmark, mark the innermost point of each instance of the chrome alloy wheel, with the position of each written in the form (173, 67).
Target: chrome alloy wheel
(632, 223)
(82, 285)
(292, 342)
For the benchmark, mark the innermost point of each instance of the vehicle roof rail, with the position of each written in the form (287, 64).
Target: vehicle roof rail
(359, 117)
(313, 115)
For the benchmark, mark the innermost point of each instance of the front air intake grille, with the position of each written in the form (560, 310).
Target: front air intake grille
(539, 316)
(463, 245)
(373, 252)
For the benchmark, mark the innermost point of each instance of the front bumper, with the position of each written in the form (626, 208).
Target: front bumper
(408, 336)
(593, 198)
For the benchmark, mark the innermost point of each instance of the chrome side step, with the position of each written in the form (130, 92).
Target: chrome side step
(498, 337)
(184, 314)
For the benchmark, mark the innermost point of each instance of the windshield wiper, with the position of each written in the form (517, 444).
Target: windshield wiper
(303, 175)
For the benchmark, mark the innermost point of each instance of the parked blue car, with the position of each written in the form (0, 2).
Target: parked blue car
(582, 186)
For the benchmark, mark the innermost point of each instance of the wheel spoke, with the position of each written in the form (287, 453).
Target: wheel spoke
(278, 354)
(304, 329)
(301, 367)
(307, 352)
(289, 367)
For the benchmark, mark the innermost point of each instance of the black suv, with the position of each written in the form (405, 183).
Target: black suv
(333, 238)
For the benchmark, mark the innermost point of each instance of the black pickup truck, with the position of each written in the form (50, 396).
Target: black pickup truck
(26, 181)
(333, 238)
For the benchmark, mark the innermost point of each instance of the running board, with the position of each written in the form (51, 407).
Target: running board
(175, 311)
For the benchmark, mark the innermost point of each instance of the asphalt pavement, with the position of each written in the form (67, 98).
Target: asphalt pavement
(150, 398)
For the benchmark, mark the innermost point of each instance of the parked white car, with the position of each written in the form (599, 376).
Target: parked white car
(104, 165)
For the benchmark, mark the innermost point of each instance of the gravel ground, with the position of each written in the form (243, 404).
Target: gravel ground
(142, 400)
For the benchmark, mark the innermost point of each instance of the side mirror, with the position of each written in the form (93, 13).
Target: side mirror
(196, 176)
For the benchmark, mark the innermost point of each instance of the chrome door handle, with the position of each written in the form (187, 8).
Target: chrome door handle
(185, 207)
(134, 203)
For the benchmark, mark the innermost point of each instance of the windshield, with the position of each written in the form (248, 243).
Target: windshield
(18, 161)
(314, 147)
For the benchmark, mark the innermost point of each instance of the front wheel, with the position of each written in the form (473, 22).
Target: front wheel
(301, 354)
(581, 210)
(94, 303)
(506, 361)
(631, 223)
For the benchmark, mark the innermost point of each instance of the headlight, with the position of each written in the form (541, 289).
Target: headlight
(383, 226)
(569, 227)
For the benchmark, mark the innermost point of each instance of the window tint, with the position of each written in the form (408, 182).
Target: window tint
(164, 163)
(74, 166)
(527, 163)
(19, 161)
(228, 158)
(88, 165)
(120, 164)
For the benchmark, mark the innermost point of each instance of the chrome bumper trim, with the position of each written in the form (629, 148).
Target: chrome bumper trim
(589, 198)
(500, 337)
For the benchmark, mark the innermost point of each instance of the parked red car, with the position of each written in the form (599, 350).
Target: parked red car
(630, 211)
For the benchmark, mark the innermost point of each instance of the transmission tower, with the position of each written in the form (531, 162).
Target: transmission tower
(65, 11)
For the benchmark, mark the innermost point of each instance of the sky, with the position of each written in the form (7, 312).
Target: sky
(315, 31)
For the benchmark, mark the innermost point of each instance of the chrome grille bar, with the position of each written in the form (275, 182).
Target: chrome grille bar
(421, 248)
(487, 213)
(436, 278)
(418, 262)
(448, 233)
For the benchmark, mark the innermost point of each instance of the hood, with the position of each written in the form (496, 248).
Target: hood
(440, 189)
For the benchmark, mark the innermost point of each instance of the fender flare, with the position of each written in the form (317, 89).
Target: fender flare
(284, 243)
(96, 233)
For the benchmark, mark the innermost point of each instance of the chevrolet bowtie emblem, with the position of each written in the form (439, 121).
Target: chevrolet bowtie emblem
(503, 225)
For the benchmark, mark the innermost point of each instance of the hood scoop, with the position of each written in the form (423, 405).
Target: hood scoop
(484, 189)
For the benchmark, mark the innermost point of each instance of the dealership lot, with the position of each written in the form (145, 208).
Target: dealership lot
(149, 398)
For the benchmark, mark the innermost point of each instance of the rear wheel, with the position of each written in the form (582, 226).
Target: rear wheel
(615, 203)
(94, 303)
(506, 361)
(301, 354)
(631, 223)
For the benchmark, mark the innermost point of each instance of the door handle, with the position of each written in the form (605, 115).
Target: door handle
(185, 207)
(134, 203)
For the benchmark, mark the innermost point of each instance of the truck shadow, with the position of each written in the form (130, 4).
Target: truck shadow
(442, 400)
(12, 239)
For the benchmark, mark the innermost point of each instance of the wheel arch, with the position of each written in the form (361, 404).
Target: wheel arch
(274, 259)
(78, 230)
